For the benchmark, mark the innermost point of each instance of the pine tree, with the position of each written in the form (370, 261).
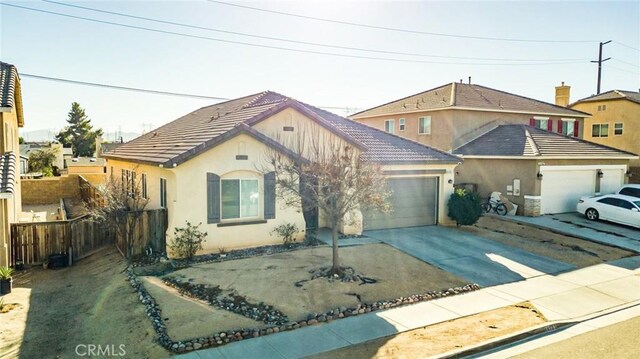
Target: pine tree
(79, 134)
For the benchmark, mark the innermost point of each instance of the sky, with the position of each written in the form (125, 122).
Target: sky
(560, 40)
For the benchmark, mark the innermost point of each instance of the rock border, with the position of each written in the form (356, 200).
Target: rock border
(154, 313)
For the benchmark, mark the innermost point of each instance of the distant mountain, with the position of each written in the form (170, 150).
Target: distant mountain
(45, 135)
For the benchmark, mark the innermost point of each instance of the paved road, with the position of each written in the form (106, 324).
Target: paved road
(471, 257)
(615, 341)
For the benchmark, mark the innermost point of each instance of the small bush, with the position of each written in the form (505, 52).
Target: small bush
(187, 241)
(286, 231)
(6, 273)
(464, 207)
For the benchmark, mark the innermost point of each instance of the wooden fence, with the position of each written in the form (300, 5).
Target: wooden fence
(89, 194)
(34, 242)
(149, 232)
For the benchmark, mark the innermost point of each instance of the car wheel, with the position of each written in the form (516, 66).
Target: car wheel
(592, 214)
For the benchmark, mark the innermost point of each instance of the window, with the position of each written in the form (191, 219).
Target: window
(401, 124)
(424, 126)
(630, 191)
(163, 193)
(542, 124)
(144, 186)
(618, 129)
(239, 198)
(389, 126)
(604, 107)
(600, 130)
(599, 107)
(609, 200)
(568, 127)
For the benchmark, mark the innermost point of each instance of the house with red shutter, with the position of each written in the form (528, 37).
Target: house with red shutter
(531, 151)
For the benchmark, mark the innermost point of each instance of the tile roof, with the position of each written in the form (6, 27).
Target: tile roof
(527, 141)
(196, 132)
(460, 95)
(633, 96)
(10, 95)
(7, 172)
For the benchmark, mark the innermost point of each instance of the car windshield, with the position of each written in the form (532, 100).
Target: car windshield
(637, 203)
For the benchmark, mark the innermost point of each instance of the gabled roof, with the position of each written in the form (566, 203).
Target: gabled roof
(468, 96)
(10, 94)
(632, 96)
(7, 172)
(526, 141)
(194, 133)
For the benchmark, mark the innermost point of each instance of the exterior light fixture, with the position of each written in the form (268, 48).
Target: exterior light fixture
(450, 181)
(600, 174)
(539, 175)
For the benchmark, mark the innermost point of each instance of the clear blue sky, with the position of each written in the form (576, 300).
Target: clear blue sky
(49, 45)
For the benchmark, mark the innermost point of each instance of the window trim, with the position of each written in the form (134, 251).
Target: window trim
(240, 217)
(163, 193)
(428, 132)
(539, 119)
(615, 124)
(392, 127)
(145, 194)
(401, 124)
(568, 121)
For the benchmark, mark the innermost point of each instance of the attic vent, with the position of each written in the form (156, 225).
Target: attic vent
(92, 159)
(74, 160)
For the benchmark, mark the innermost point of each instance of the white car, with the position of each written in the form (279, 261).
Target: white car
(632, 190)
(611, 207)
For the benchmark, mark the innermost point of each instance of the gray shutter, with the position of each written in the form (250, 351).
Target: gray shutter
(213, 198)
(270, 195)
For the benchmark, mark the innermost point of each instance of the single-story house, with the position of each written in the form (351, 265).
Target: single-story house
(542, 172)
(205, 168)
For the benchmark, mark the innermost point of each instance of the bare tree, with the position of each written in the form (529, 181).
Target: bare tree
(327, 173)
(121, 205)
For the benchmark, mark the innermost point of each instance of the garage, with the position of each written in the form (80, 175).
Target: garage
(612, 179)
(414, 201)
(562, 188)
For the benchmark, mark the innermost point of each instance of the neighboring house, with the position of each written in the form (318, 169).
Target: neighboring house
(24, 164)
(11, 118)
(86, 165)
(27, 148)
(615, 122)
(205, 167)
(104, 147)
(451, 115)
(540, 171)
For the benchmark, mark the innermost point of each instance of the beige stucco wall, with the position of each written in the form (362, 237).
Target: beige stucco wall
(617, 111)
(496, 174)
(10, 207)
(453, 128)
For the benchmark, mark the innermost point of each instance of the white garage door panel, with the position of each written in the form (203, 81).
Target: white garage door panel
(561, 190)
(611, 180)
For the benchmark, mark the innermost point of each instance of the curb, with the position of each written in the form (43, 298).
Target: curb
(528, 335)
(553, 230)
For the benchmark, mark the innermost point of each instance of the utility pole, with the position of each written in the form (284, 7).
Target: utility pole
(599, 62)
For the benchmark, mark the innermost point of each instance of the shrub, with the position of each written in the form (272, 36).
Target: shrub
(287, 231)
(5, 273)
(464, 207)
(187, 241)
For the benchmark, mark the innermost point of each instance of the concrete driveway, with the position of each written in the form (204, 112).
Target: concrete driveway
(471, 257)
(577, 225)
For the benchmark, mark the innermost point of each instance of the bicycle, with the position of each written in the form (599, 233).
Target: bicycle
(495, 206)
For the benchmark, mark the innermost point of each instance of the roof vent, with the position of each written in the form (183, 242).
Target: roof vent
(155, 134)
(74, 160)
(92, 159)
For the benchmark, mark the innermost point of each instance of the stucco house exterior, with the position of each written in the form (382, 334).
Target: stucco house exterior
(540, 171)
(11, 119)
(206, 167)
(614, 121)
(86, 165)
(451, 115)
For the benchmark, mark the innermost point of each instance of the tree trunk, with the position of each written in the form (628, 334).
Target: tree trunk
(335, 269)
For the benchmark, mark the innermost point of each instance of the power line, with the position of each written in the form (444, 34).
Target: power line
(623, 70)
(297, 41)
(115, 87)
(154, 92)
(627, 46)
(624, 62)
(284, 48)
(397, 29)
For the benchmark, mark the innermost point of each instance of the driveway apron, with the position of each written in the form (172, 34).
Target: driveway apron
(471, 257)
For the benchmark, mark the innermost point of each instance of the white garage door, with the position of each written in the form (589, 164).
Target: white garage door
(612, 180)
(561, 189)
(414, 201)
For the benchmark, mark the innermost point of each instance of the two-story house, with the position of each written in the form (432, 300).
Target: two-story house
(11, 118)
(451, 115)
(614, 122)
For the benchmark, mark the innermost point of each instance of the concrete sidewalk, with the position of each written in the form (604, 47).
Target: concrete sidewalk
(562, 297)
(572, 225)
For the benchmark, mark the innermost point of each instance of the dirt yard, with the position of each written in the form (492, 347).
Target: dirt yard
(272, 279)
(578, 252)
(444, 337)
(89, 303)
